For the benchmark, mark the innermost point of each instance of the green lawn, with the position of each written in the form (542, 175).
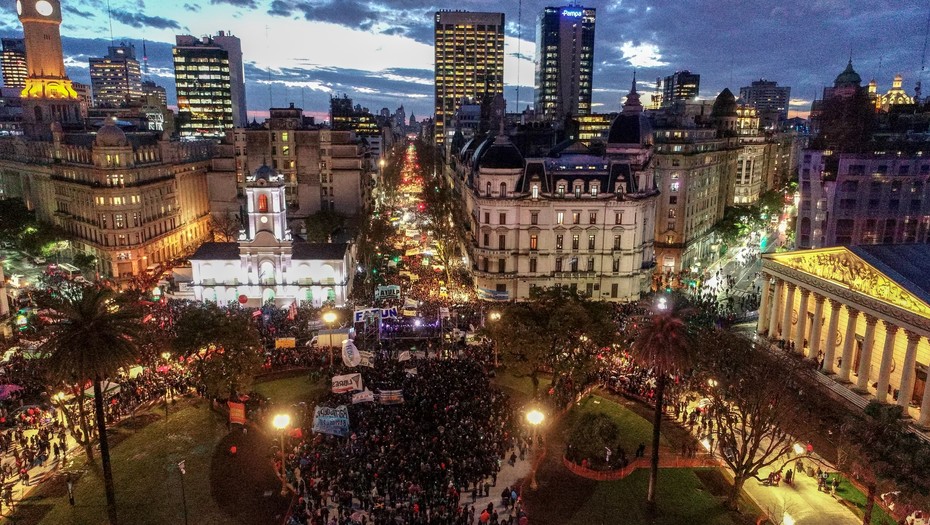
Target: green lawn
(682, 499)
(145, 453)
(522, 384)
(633, 428)
(855, 499)
(145, 472)
(291, 390)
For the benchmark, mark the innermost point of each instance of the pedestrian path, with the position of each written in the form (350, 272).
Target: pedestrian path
(800, 501)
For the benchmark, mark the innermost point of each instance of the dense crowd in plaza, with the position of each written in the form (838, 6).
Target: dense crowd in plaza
(414, 463)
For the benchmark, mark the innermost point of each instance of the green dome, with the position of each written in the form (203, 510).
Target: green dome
(848, 77)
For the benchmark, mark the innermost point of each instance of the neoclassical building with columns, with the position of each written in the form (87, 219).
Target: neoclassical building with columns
(863, 311)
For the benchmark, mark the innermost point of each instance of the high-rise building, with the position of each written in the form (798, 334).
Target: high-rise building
(210, 86)
(469, 53)
(681, 85)
(49, 96)
(13, 62)
(564, 61)
(233, 47)
(769, 99)
(151, 89)
(116, 78)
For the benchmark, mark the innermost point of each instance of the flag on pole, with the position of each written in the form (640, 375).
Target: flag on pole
(404, 356)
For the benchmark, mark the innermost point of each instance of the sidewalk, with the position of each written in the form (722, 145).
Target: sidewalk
(801, 501)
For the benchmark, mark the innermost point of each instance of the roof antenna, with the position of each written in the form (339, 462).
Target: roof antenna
(519, 43)
(110, 18)
(923, 62)
(145, 61)
(270, 103)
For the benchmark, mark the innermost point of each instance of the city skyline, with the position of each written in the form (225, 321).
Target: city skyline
(384, 56)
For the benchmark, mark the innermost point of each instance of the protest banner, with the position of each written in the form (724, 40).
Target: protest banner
(366, 359)
(346, 383)
(329, 420)
(365, 396)
(236, 412)
(350, 356)
(391, 397)
(285, 342)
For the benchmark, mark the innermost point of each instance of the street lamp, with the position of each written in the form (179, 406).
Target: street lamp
(167, 357)
(535, 418)
(281, 422)
(329, 318)
(494, 317)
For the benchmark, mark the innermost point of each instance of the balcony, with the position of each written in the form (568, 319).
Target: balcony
(574, 275)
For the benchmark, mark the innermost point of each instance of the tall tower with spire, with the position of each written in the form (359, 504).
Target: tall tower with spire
(48, 96)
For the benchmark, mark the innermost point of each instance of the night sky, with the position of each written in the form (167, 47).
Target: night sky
(380, 51)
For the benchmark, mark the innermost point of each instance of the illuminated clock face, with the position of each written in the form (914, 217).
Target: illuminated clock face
(44, 8)
(264, 220)
(19, 7)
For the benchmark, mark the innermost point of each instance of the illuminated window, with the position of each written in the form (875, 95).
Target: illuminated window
(263, 204)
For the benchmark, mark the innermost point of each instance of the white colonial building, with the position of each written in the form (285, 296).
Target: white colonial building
(267, 264)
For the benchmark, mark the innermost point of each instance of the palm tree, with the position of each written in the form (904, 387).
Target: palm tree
(665, 344)
(93, 334)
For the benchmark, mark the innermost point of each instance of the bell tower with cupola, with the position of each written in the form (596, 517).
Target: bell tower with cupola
(266, 208)
(48, 96)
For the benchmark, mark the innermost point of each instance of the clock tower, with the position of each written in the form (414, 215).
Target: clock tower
(48, 96)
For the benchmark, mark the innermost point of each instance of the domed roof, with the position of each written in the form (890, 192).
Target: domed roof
(848, 76)
(110, 136)
(630, 128)
(502, 155)
(265, 172)
(724, 105)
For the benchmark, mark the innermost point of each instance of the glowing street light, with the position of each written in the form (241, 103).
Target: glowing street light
(281, 422)
(329, 318)
(535, 417)
(798, 448)
(494, 317)
(663, 303)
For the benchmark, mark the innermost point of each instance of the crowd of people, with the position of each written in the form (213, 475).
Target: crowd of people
(411, 463)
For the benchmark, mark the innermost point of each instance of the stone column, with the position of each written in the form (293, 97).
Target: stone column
(852, 316)
(786, 313)
(906, 388)
(829, 354)
(865, 359)
(774, 312)
(884, 369)
(762, 325)
(817, 326)
(924, 418)
(800, 335)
